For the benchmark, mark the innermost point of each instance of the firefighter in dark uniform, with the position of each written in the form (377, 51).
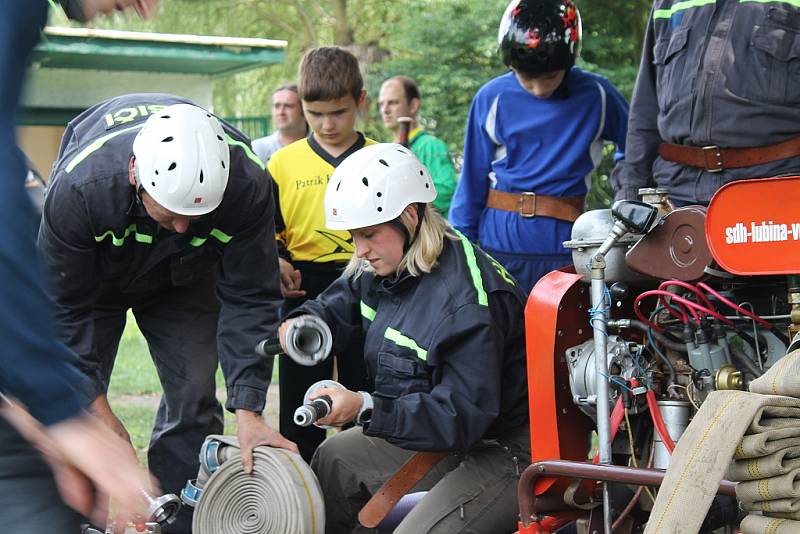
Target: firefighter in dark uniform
(717, 99)
(444, 344)
(156, 206)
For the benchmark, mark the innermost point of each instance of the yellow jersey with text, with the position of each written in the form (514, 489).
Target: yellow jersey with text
(301, 172)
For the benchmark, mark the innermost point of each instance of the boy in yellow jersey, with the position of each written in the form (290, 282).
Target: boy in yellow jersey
(311, 257)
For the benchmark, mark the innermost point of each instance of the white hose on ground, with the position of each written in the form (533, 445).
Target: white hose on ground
(281, 496)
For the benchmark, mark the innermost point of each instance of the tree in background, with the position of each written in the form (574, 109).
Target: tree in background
(448, 46)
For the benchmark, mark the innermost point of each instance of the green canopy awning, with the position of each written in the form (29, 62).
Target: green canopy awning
(112, 50)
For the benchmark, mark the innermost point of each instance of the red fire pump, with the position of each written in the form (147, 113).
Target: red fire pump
(678, 303)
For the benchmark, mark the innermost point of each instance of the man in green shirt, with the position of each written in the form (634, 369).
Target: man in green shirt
(399, 98)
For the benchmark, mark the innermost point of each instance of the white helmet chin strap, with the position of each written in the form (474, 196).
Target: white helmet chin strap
(409, 239)
(137, 182)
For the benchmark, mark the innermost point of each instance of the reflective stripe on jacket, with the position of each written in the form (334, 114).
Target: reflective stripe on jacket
(445, 350)
(96, 238)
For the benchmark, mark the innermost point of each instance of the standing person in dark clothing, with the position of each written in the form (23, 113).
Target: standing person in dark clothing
(169, 215)
(312, 256)
(86, 461)
(443, 336)
(717, 99)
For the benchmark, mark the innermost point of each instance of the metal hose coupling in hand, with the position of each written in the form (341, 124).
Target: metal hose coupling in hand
(313, 410)
(161, 511)
(309, 413)
(308, 341)
(164, 509)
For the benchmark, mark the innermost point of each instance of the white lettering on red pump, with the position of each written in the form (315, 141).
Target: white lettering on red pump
(764, 232)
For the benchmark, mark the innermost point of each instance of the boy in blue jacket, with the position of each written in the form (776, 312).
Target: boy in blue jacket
(534, 135)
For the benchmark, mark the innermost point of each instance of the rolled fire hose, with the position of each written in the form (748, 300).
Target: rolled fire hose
(281, 496)
(746, 428)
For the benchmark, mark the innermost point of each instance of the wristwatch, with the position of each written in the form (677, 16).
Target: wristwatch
(365, 412)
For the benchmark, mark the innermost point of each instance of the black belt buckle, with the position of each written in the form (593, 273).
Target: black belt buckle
(715, 163)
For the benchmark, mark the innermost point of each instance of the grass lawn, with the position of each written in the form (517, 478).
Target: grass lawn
(135, 391)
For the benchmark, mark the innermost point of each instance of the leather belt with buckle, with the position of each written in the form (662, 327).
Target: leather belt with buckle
(715, 159)
(529, 204)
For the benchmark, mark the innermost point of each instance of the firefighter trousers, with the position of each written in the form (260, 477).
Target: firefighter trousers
(180, 326)
(474, 492)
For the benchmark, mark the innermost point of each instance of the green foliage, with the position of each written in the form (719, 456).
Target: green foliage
(448, 46)
(450, 49)
(134, 372)
(135, 391)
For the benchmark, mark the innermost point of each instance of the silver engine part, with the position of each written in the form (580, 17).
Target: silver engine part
(589, 232)
(580, 362)
(676, 418)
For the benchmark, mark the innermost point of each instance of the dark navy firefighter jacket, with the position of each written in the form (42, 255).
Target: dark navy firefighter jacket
(445, 350)
(723, 73)
(96, 239)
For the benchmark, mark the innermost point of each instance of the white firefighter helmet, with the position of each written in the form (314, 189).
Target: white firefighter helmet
(374, 186)
(183, 159)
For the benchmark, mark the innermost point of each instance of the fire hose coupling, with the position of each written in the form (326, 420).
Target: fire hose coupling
(149, 528)
(209, 457)
(163, 509)
(160, 511)
(191, 493)
(308, 341)
(213, 454)
(313, 410)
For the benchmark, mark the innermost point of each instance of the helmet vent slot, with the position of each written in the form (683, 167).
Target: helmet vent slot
(365, 181)
(220, 137)
(166, 117)
(201, 177)
(379, 194)
(167, 139)
(172, 166)
(380, 209)
(339, 185)
(223, 164)
(153, 184)
(383, 162)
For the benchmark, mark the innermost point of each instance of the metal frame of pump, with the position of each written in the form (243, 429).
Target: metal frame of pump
(669, 346)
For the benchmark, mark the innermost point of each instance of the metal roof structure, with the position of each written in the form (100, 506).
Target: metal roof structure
(113, 50)
(73, 68)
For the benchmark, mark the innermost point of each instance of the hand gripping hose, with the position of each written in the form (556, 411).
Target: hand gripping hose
(281, 496)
